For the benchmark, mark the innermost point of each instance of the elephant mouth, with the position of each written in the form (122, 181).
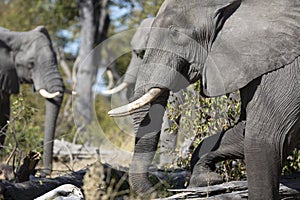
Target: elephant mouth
(23, 80)
(128, 109)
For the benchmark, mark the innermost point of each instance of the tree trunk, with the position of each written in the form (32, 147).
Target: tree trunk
(93, 31)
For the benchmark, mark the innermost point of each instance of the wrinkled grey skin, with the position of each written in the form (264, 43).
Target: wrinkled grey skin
(235, 45)
(28, 57)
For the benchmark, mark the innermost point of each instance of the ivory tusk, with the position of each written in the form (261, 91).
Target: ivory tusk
(117, 89)
(127, 109)
(48, 95)
(71, 92)
(110, 79)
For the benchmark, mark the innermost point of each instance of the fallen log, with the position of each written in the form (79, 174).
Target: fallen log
(37, 187)
(289, 188)
(104, 175)
(93, 180)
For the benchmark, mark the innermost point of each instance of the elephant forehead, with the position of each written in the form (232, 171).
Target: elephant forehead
(33, 40)
(182, 44)
(141, 35)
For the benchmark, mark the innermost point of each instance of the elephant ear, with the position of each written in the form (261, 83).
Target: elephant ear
(43, 30)
(9, 81)
(255, 38)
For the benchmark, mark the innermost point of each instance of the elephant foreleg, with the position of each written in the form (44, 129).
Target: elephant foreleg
(272, 130)
(231, 146)
(4, 116)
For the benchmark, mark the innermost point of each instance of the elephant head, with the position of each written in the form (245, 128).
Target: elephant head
(28, 57)
(138, 45)
(225, 44)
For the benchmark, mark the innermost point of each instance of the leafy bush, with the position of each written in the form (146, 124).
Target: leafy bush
(202, 117)
(23, 134)
(292, 163)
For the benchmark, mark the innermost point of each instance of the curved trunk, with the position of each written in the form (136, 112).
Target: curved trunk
(52, 82)
(147, 124)
(52, 110)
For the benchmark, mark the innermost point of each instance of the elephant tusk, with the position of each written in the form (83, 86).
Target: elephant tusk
(117, 89)
(71, 92)
(48, 95)
(110, 78)
(145, 99)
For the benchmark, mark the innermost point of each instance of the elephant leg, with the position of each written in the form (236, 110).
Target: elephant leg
(271, 130)
(4, 118)
(229, 145)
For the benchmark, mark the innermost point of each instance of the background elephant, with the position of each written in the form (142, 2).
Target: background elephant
(138, 45)
(168, 141)
(28, 57)
(228, 45)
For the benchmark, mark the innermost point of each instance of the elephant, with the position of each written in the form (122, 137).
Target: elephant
(28, 57)
(251, 46)
(138, 44)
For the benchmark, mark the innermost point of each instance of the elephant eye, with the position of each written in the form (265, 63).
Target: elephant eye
(30, 65)
(173, 31)
(178, 36)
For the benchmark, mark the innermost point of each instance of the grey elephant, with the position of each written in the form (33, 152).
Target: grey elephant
(138, 45)
(28, 57)
(252, 46)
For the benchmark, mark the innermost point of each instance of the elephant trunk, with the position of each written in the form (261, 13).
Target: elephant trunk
(147, 123)
(52, 82)
(142, 158)
(52, 110)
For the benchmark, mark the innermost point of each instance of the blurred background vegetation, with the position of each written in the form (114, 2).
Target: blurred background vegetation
(201, 117)
(62, 20)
